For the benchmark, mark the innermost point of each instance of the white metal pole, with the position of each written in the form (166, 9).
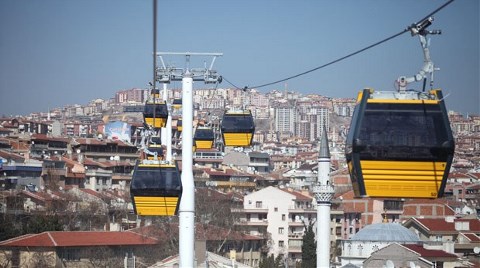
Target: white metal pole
(187, 203)
(169, 138)
(164, 130)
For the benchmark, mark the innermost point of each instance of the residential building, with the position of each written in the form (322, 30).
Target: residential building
(462, 235)
(285, 117)
(282, 214)
(411, 255)
(77, 249)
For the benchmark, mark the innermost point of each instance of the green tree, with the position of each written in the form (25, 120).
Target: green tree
(9, 227)
(309, 248)
(271, 262)
(41, 223)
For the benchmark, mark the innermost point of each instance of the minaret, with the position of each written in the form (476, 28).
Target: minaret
(324, 192)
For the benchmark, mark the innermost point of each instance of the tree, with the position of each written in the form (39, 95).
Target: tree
(9, 227)
(40, 258)
(41, 223)
(309, 248)
(272, 262)
(104, 257)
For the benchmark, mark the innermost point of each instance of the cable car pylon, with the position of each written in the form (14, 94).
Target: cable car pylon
(186, 212)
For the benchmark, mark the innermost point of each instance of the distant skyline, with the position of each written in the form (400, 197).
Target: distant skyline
(55, 53)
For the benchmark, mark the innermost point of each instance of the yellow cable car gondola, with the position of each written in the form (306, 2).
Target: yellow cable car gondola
(179, 125)
(203, 138)
(156, 114)
(177, 104)
(400, 144)
(156, 189)
(237, 128)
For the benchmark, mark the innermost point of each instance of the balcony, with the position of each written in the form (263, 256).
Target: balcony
(298, 223)
(302, 209)
(250, 210)
(258, 164)
(294, 236)
(253, 223)
(294, 249)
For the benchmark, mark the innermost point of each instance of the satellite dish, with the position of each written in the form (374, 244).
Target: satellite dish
(476, 250)
(389, 264)
(412, 264)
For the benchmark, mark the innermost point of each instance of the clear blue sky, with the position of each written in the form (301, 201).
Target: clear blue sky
(59, 52)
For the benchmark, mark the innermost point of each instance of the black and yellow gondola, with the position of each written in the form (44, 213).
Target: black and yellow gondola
(155, 114)
(238, 128)
(179, 125)
(156, 189)
(203, 137)
(177, 104)
(399, 146)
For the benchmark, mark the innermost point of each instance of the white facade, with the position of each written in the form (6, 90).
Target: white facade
(98, 180)
(285, 120)
(284, 216)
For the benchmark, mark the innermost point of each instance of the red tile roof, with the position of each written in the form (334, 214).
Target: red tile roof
(91, 192)
(472, 237)
(44, 137)
(437, 225)
(76, 239)
(13, 156)
(430, 253)
(298, 196)
(440, 225)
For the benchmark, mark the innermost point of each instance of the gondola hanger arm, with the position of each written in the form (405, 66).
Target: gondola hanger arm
(428, 67)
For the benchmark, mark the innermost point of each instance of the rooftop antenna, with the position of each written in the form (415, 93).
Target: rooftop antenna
(420, 29)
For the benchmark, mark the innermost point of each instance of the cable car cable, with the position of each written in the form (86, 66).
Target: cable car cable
(344, 57)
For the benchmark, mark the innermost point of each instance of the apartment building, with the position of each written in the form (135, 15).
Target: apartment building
(279, 214)
(285, 118)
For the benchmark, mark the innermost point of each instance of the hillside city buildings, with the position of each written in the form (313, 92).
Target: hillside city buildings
(75, 160)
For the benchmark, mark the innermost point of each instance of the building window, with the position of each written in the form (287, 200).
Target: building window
(393, 205)
(283, 217)
(360, 250)
(281, 243)
(280, 230)
(275, 209)
(258, 204)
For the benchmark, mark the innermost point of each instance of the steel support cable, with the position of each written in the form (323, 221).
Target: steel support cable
(344, 57)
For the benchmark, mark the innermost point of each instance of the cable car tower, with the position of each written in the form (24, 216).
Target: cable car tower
(400, 144)
(166, 74)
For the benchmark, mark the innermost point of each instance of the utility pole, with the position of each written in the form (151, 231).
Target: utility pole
(324, 192)
(165, 74)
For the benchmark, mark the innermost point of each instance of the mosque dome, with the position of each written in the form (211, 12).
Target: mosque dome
(387, 232)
